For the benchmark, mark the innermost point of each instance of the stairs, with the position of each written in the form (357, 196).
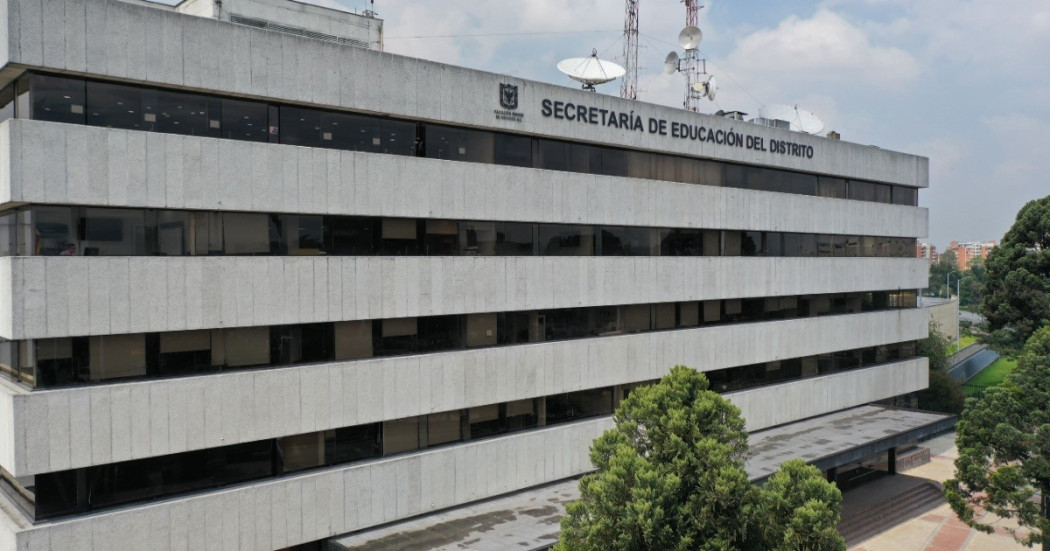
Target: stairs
(872, 518)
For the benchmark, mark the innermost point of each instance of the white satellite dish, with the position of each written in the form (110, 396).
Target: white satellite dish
(799, 120)
(690, 38)
(671, 63)
(591, 70)
(706, 89)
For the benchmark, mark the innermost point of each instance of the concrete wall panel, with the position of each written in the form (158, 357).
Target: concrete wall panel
(72, 296)
(332, 501)
(142, 419)
(187, 172)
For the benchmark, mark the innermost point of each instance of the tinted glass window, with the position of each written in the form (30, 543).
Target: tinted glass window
(182, 113)
(831, 187)
(861, 191)
(627, 241)
(566, 240)
(512, 150)
(57, 99)
(350, 235)
(553, 155)
(586, 158)
(514, 239)
(905, 195)
(882, 193)
(457, 144)
(7, 103)
(244, 120)
(614, 162)
(301, 127)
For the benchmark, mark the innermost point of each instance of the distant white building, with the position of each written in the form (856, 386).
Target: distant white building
(261, 287)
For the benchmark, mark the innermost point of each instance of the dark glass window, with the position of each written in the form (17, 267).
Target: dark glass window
(751, 244)
(861, 191)
(774, 244)
(514, 239)
(566, 240)
(736, 176)
(627, 241)
(301, 127)
(437, 333)
(831, 187)
(553, 155)
(441, 238)
(578, 405)
(352, 444)
(294, 344)
(7, 103)
(57, 99)
(245, 120)
(54, 232)
(882, 193)
(512, 150)
(117, 106)
(614, 162)
(350, 235)
(905, 196)
(457, 144)
(586, 158)
(183, 113)
(399, 236)
(57, 494)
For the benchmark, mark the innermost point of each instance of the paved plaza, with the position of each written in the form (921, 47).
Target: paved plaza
(939, 529)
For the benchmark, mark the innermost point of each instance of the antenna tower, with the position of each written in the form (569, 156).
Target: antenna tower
(629, 86)
(692, 65)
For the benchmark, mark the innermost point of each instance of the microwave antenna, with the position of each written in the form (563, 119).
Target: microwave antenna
(699, 84)
(590, 70)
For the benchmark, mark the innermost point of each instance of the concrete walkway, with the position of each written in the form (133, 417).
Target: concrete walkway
(939, 529)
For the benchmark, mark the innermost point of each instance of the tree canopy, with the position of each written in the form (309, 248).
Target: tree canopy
(670, 475)
(1004, 450)
(944, 393)
(1016, 298)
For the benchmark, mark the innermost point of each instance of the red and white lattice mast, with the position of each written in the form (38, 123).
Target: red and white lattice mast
(629, 85)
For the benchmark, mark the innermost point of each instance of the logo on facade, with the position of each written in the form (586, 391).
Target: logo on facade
(508, 100)
(508, 96)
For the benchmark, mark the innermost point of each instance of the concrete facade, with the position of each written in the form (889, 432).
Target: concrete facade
(312, 506)
(44, 431)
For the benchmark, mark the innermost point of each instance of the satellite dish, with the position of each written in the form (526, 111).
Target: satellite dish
(799, 120)
(591, 70)
(690, 37)
(712, 88)
(671, 63)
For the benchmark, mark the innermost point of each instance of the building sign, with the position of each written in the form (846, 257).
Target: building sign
(633, 122)
(508, 100)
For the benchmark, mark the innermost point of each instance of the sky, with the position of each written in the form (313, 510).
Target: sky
(963, 82)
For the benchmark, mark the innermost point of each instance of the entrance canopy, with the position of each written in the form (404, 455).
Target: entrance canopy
(529, 520)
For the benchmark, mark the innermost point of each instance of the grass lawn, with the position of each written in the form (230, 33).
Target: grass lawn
(993, 374)
(965, 341)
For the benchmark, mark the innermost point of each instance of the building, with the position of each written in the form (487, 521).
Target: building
(927, 251)
(261, 288)
(967, 252)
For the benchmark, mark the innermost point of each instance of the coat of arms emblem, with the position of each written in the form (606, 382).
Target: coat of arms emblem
(508, 96)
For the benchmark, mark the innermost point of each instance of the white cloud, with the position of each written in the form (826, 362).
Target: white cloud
(821, 49)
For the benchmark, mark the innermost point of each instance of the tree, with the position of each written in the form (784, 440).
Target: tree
(670, 475)
(1017, 284)
(1004, 450)
(943, 393)
(939, 271)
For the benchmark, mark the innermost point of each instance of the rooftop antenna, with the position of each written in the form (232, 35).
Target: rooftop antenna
(699, 84)
(799, 120)
(591, 70)
(629, 86)
(371, 11)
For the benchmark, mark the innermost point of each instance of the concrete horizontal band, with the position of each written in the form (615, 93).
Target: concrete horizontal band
(72, 296)
(70, 164)
(120, 40)
(79, 427)
(334, 501)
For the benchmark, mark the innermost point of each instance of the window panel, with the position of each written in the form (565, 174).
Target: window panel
(244, 120)
(116, 356)
(400, 436)
(353, 339)
(566, 240)
(57, 99)
(512, 150)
